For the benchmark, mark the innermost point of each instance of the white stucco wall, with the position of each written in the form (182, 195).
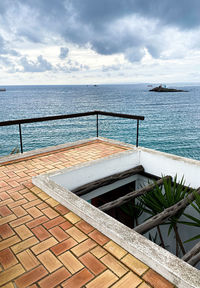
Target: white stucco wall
(83, 174)
(159, 163)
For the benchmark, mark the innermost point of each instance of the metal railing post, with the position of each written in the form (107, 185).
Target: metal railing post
(20, 136)
(97, 123)
(137, 136)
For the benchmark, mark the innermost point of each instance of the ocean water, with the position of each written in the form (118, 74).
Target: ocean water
(172, 120)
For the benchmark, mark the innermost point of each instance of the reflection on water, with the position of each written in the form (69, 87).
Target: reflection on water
(171, 119)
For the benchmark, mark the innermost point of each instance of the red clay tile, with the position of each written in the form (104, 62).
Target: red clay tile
(6, 202)
(83, 247)
(92, 263)
(19, 211)
(156, 280)
(56, 221)
(58, 233)
(78, 280)
(32, 204)
(63, 246)
(61, 209)
(99, 237)
(3, 183)
(6, 231)
(9, 242)
(42, 206)
(4, 196)
(34, 212)
(10, 274)
(31, 277)
(16, 189)
(28, 184)
(24, 244)
(66, 225)
(77, 234)
(44, 245)
(41, 233)
(30, 196)
(23, 232)
(21, 221)
(5, 211)
(55, 278)
(84, 226)
(49, 261)
(17, 203)
(28, 260)
(50, 213)
(37, 222)
(16, 196)
(71, 262)
(105, 279)
(7, 258)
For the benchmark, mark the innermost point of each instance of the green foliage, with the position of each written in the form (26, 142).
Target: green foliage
(134, 210)
(158, 200)
(154, 239)
(194, 221)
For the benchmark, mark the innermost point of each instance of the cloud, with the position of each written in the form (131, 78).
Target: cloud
(40, 65)
(181, 13)
(63, 53)
(132, 29)
(114, 67)
(5, 50)
(71, 66)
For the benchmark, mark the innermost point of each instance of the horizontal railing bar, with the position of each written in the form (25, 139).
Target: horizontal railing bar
(129, 116)
(48, 118)
(67, 116)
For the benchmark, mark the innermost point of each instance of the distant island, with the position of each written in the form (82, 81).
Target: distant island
(164, 89)
(2, 89)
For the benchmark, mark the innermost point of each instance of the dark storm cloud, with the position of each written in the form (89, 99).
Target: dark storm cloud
(182, 13)
(102, 18)
(130, 27)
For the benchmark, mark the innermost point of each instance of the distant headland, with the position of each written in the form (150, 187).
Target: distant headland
(164, 89)
(2, 89)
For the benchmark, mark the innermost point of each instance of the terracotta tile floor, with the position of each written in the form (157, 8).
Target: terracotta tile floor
(43, 244)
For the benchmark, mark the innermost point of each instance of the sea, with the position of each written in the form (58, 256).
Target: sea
(172, 120)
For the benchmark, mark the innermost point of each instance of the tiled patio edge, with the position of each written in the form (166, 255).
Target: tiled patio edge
(46, 150)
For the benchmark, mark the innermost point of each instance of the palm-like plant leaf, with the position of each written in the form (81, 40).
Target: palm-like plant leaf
(134, 210)
(195, 221)
(158, 200)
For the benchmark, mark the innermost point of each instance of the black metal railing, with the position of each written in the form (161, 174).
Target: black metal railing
(75, 115)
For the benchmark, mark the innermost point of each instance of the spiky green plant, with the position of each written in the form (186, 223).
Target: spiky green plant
(155, 239)
(134, 210)
(194, 221)
(160, 199)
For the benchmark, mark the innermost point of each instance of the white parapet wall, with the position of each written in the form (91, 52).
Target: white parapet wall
(160, 163)
(79, 175)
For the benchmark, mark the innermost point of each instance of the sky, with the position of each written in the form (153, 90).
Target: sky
(44, 42)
